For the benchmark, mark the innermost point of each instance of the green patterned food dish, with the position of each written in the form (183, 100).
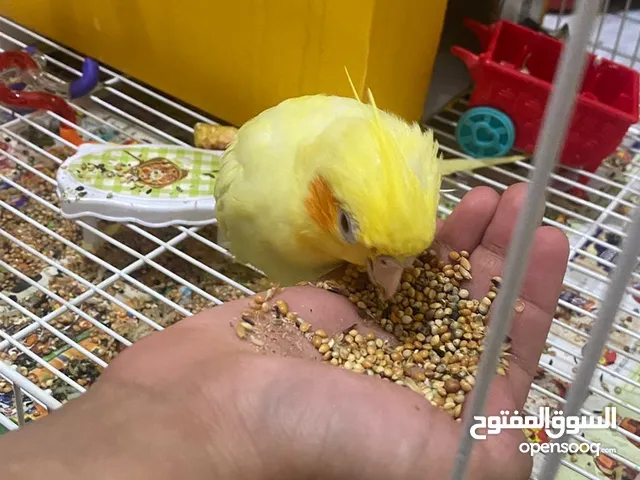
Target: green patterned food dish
(153, 185)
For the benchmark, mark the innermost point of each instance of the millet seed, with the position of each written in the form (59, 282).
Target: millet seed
(440, 329)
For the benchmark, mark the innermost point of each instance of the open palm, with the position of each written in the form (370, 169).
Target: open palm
(218, 409)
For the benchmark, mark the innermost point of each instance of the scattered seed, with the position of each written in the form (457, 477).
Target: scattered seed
(305, 327)
(255, 306)
(240, 331)
(464, 263)
(519, 306)
(247, 326)
(321, 333)
(282, 307)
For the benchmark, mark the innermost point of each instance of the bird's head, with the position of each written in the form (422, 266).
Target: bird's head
(373, 192)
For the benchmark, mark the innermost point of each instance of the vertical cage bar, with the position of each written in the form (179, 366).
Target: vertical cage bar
(636, 50)
(563, 8)
(623, 22)
(603, 15)
(553, 132)
(19, 400)
(626, 263)
(511, 10)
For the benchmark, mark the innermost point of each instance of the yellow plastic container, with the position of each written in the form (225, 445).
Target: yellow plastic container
(234, 58)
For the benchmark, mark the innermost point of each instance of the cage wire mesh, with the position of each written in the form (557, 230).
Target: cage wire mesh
(67, 309)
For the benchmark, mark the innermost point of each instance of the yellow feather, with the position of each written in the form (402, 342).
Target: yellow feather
(353, 87)
(447, 167)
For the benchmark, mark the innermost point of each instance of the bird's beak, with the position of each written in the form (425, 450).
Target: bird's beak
(386, 272)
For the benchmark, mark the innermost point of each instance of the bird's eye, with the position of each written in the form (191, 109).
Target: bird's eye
(346, 226)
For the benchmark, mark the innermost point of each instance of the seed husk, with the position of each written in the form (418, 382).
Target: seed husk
(464, 263)
(305, 327)
(240, 331)
(246, 317)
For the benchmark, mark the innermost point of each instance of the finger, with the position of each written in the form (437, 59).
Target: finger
(540, 290)
(464, 228)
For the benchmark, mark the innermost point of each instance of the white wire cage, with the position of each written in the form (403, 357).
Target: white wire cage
(61, 327)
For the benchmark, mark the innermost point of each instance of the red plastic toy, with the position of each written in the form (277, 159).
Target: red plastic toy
(513, 80)
(16, 66)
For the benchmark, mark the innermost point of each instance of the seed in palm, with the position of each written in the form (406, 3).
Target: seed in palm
(441, 330)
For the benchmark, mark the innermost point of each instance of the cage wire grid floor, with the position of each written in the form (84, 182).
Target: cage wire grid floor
(615, 35)
(60, 328)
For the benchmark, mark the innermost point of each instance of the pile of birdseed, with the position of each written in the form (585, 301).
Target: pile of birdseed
(437, 330)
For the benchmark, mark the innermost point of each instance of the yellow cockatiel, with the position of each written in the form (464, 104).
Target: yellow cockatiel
(320, 180)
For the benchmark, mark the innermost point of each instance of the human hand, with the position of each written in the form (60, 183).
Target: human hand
(195, 401)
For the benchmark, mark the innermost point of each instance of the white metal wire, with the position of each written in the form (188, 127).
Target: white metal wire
(136, 112)
(593, 352)
(617, 34)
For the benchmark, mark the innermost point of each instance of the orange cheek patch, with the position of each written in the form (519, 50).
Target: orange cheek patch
(321, 205)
